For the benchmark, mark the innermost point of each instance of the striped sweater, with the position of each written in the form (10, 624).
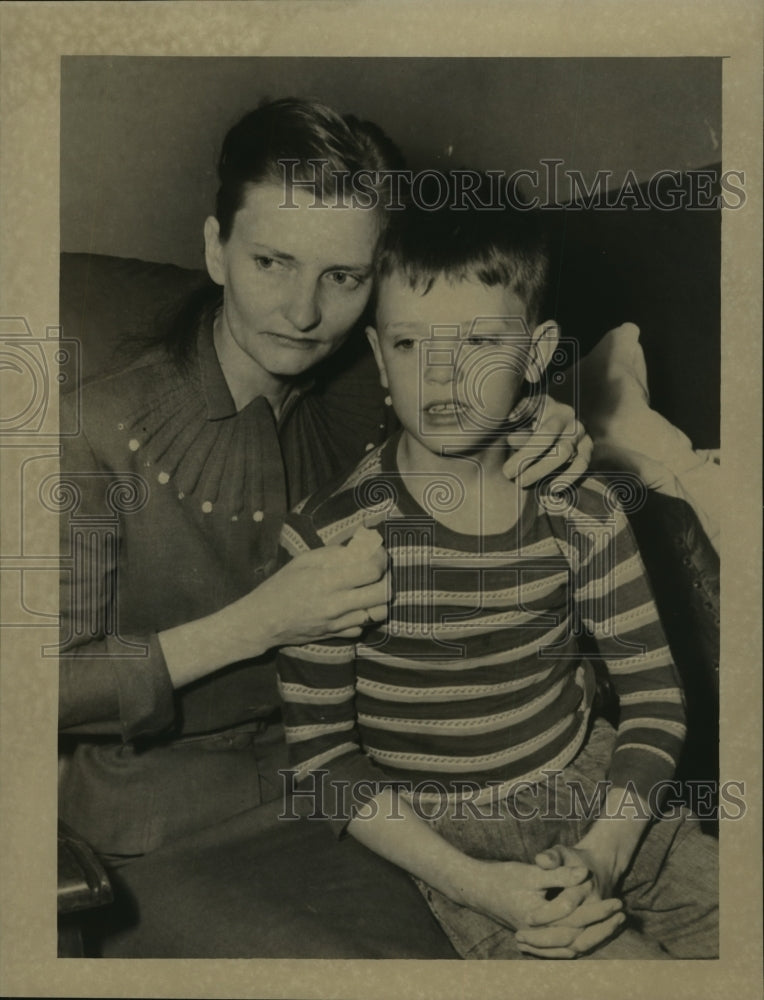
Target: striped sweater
(477, 676)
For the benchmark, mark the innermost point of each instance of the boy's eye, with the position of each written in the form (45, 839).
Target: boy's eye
(479, 341)
(404, 344)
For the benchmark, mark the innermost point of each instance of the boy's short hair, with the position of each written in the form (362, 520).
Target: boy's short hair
(497, 244)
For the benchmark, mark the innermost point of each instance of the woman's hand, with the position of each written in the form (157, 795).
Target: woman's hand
(558, 442)
(322, 594)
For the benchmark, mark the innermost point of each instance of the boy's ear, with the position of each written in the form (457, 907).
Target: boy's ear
(373, 338)
(544, 340)
(213, 250)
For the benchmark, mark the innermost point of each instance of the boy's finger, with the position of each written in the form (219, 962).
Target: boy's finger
(578, 906)
(567, 941)
(597, 934)
(561, 877)
(547, 952)
(561, 906)
(595, 912)
(547, 937)
(557, 855)
(552, 857)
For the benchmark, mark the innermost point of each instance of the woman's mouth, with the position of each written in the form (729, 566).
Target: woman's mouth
(295, 343)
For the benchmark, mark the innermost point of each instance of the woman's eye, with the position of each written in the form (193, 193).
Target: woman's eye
(265, 263)
(344, 279)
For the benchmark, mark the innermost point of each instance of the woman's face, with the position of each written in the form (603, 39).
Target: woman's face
(295, 279)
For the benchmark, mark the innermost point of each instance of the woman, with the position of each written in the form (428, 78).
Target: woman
(167, 685)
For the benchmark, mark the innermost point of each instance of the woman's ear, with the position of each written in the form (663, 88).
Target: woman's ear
(544, 340)
(213, 250)
(373, 338)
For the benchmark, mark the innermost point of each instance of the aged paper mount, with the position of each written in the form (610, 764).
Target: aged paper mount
(35, 36)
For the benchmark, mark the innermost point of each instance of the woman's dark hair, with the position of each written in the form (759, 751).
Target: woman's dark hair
(253, 152)
(303, 130)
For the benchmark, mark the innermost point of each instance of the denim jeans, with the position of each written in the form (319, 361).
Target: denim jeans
(670, 891)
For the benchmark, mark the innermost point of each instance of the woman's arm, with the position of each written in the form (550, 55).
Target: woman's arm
(109, 683)
(320, 594)
(123, 685)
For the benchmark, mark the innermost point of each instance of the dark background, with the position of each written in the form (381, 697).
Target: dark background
(140, 138)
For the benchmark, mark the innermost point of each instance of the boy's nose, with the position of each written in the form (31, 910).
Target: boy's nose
(440, 363)
(302, 307)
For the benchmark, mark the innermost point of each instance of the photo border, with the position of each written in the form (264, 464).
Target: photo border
(34, 37)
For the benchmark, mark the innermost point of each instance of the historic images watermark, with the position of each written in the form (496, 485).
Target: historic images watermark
(552, 796)
(553, 186)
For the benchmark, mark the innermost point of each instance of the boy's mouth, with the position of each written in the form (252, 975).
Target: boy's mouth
(446, 412)
(438, 409)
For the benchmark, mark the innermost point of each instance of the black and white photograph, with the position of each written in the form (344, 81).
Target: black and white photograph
(369, 490)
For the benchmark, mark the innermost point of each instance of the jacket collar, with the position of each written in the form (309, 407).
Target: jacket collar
(217, 395)
(215, 389)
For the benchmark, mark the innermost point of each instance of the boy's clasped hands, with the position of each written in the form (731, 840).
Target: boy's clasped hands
(584, 914)
(579, 917)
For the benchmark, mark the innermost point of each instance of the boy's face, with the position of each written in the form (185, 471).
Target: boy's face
(454, 359)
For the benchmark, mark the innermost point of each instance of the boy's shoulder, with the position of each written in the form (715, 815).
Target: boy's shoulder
(332, 514)
(600, 496)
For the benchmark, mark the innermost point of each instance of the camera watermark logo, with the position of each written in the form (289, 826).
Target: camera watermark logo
(29, 368)
(43, 509)
(93, 503)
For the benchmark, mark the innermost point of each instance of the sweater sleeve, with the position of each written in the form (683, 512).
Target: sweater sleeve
(616, 607)
(317, 687)
(108, 685)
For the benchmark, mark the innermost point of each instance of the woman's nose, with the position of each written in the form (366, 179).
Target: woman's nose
(302, 307)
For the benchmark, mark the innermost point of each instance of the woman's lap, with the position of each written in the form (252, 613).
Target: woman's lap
(257, 886)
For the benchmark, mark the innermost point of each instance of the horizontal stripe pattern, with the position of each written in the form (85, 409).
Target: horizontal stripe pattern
(477, 672)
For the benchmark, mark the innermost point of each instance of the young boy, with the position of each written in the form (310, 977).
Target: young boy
(457, 739)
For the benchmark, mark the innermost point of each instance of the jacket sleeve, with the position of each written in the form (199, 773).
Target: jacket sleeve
(102, 691)
(317, 687)
(616, 607)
